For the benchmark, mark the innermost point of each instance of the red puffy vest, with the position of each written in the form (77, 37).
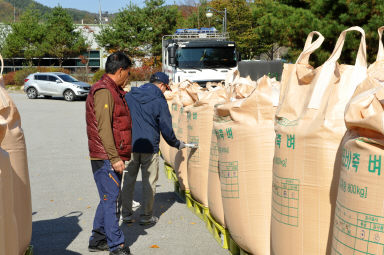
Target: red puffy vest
(121, 121)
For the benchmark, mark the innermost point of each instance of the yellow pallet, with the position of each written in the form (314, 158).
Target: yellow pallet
(180, 192)
(200, 210)
(223, 237)
(219, 232)
(171, 175)
(234, 248)
(30, 250)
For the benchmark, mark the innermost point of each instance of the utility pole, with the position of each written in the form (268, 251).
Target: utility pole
(14, 11)
(100, 12)
(198, 16)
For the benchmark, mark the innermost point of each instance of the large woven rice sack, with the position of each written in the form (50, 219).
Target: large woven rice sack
(199, 123)
(245, 140)
(16, 177)
(178, 158)
(163, 146)
(9, 242)
(175, 111)
(359, 217)
(309, 128)
(239, 87)
(215, 201)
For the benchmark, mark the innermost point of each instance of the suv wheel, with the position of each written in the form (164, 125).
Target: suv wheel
(69, 95)
(32, 93)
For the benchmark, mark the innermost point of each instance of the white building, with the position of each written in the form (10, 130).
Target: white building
(95, 54)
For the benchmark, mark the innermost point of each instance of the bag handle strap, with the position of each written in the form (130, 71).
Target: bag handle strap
(329, 67)
(380, 53)
(310, 47)
(361, 57)
(2, 65)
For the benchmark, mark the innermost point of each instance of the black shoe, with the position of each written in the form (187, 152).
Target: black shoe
(151, 221)
(101, 246)
(121, 251)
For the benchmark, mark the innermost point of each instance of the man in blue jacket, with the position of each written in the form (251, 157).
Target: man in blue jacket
(150, 116)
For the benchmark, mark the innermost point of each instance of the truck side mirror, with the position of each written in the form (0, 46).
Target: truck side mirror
(172, 56)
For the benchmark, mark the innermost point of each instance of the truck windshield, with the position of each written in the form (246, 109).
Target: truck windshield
(206, 57)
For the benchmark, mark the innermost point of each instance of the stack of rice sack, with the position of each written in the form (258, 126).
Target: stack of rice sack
(309, 128)
(15, 194)
(200, 123)
(244, 131)
(358, 227)
(184, 97)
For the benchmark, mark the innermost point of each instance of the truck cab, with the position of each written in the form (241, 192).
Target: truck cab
(198, 55)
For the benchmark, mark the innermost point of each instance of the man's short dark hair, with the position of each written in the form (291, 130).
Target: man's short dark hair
(117, 60)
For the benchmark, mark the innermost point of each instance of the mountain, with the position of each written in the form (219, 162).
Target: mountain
(7, 11)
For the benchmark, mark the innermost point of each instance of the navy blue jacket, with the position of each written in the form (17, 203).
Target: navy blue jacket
(150, 116)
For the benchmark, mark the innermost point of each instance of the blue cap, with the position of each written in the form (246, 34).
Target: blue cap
(160, 76)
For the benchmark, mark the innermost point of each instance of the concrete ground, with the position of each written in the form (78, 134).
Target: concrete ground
(64, 195)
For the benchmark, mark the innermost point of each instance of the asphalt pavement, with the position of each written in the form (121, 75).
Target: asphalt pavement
(64, 194)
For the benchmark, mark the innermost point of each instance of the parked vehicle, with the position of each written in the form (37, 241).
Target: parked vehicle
(199, 55)
(56, 84)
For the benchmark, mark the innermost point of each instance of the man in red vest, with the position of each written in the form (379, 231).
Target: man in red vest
(109, 140)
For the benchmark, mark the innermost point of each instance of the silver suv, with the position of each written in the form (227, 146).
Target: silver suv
(55, 84)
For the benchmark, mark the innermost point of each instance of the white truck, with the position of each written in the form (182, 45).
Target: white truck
(198, 55)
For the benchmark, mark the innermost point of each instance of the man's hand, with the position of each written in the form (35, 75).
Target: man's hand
(119, 166)
(182, 145)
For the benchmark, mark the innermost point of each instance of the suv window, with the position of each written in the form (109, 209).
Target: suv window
(52, 78)
(41, 77)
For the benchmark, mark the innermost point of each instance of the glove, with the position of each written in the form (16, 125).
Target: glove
(182, 145)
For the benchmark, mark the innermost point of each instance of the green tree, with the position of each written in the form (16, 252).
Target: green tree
(61, 39)
(138, 31)
(162, 20)
(126, 32)
(27, 37)
(366, 14)
(193, 16)
(240, 25)
(279, 24)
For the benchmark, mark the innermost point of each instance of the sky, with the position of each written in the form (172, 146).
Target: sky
(110, 6)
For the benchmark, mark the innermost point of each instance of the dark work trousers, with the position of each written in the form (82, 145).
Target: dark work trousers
(106, 222)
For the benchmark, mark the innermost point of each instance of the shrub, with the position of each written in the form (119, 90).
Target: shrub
(20, 75)
(81, 74)
(97, 76)
(142, 73)
(9, 78)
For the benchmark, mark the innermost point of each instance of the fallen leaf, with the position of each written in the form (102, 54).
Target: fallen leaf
(170, 222)
(80, 198)
(193, 223)
(51, 200)
(155, 246)
(88, 207)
